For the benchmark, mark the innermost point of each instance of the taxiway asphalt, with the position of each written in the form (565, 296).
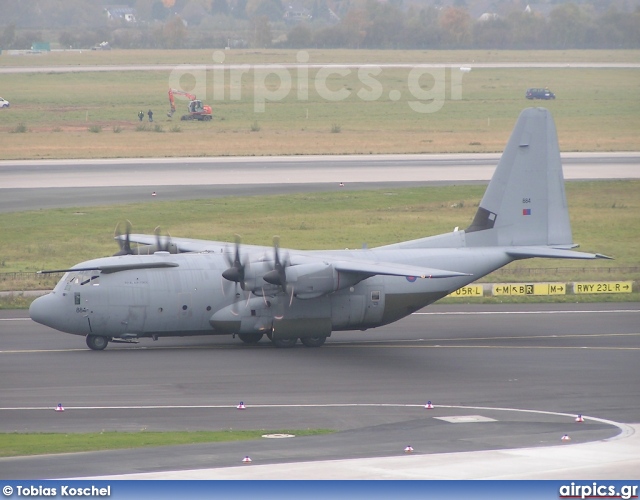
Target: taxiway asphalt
(34, 185)
(555, 360)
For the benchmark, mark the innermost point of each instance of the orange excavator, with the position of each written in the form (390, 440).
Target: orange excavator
(197, 110)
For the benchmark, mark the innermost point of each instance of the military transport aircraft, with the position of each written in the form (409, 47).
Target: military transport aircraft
(196, 287)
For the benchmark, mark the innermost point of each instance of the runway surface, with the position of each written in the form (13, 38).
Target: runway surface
(33, 185)
(75, 68)
(473, 362)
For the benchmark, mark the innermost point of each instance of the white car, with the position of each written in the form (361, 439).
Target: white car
(4, 103)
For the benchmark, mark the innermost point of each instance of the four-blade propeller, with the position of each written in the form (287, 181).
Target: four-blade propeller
(125, 245)
(163, 243)
(236, 273)
(278, 276)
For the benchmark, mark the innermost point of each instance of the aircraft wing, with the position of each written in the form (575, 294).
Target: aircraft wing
(113, 268)
(387, 269)
(183, 244)
(552, 253)
(364, 268)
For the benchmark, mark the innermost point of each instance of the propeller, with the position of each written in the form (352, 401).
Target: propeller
(236, 271)
(163, 244)
(278, 276)
(236, 274)
(125, 245)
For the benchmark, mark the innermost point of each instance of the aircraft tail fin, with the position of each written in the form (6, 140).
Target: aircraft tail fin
(525, 202)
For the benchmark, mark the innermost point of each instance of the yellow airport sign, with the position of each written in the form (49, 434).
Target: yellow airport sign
(529, 289)
(468, 291)
(603, 287)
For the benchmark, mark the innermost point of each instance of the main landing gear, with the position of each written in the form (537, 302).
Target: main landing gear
(313, 341)
(306, 341)
(250, 338)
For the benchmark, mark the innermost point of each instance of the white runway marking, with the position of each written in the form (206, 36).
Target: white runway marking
(626, 430)
(489, 313)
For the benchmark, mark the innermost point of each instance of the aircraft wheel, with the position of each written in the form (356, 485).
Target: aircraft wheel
(250, 338)
(284, 343)
(97, 342)
(313, 341)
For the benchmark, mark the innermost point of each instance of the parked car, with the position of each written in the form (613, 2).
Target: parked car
(4, 103)
(539, 94)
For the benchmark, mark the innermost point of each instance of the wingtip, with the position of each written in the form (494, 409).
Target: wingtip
(602, 256)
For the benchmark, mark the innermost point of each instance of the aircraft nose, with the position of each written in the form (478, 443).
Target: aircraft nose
(43, 309)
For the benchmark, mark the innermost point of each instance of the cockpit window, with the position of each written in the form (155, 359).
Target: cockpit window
(93, 279)
(83, 278)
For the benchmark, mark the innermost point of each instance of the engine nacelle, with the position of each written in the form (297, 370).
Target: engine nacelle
(307, 280)
(312, 280)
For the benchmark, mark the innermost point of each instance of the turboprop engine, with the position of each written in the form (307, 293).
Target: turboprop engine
(307, 281)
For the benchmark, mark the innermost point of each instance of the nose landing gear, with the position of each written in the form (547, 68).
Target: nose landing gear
(97, 342)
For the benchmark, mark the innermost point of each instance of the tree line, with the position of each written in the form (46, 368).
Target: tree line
(368, 24)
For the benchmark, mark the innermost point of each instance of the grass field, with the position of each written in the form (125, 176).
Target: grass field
(23, 444)
(603, 214)
(282, 56)
(93, 115)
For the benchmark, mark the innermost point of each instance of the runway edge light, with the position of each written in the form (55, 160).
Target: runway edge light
(408, 449)
(429, 406)
(246, 460)
(241, 406)
(579, 418)
(565, 438)
(60, 408)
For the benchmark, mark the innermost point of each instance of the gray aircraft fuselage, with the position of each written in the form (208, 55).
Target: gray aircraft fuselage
(182, 300)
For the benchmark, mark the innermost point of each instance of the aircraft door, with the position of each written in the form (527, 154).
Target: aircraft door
(356, 309)
(97, 313)
(374, 305)
(136, 319)
(128, 301)
(347, 310)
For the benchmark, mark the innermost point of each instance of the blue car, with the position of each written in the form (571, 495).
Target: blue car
(539, 94)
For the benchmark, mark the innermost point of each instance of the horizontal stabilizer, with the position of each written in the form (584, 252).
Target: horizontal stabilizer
(551, 253)
(114, 268)
(385, 269)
